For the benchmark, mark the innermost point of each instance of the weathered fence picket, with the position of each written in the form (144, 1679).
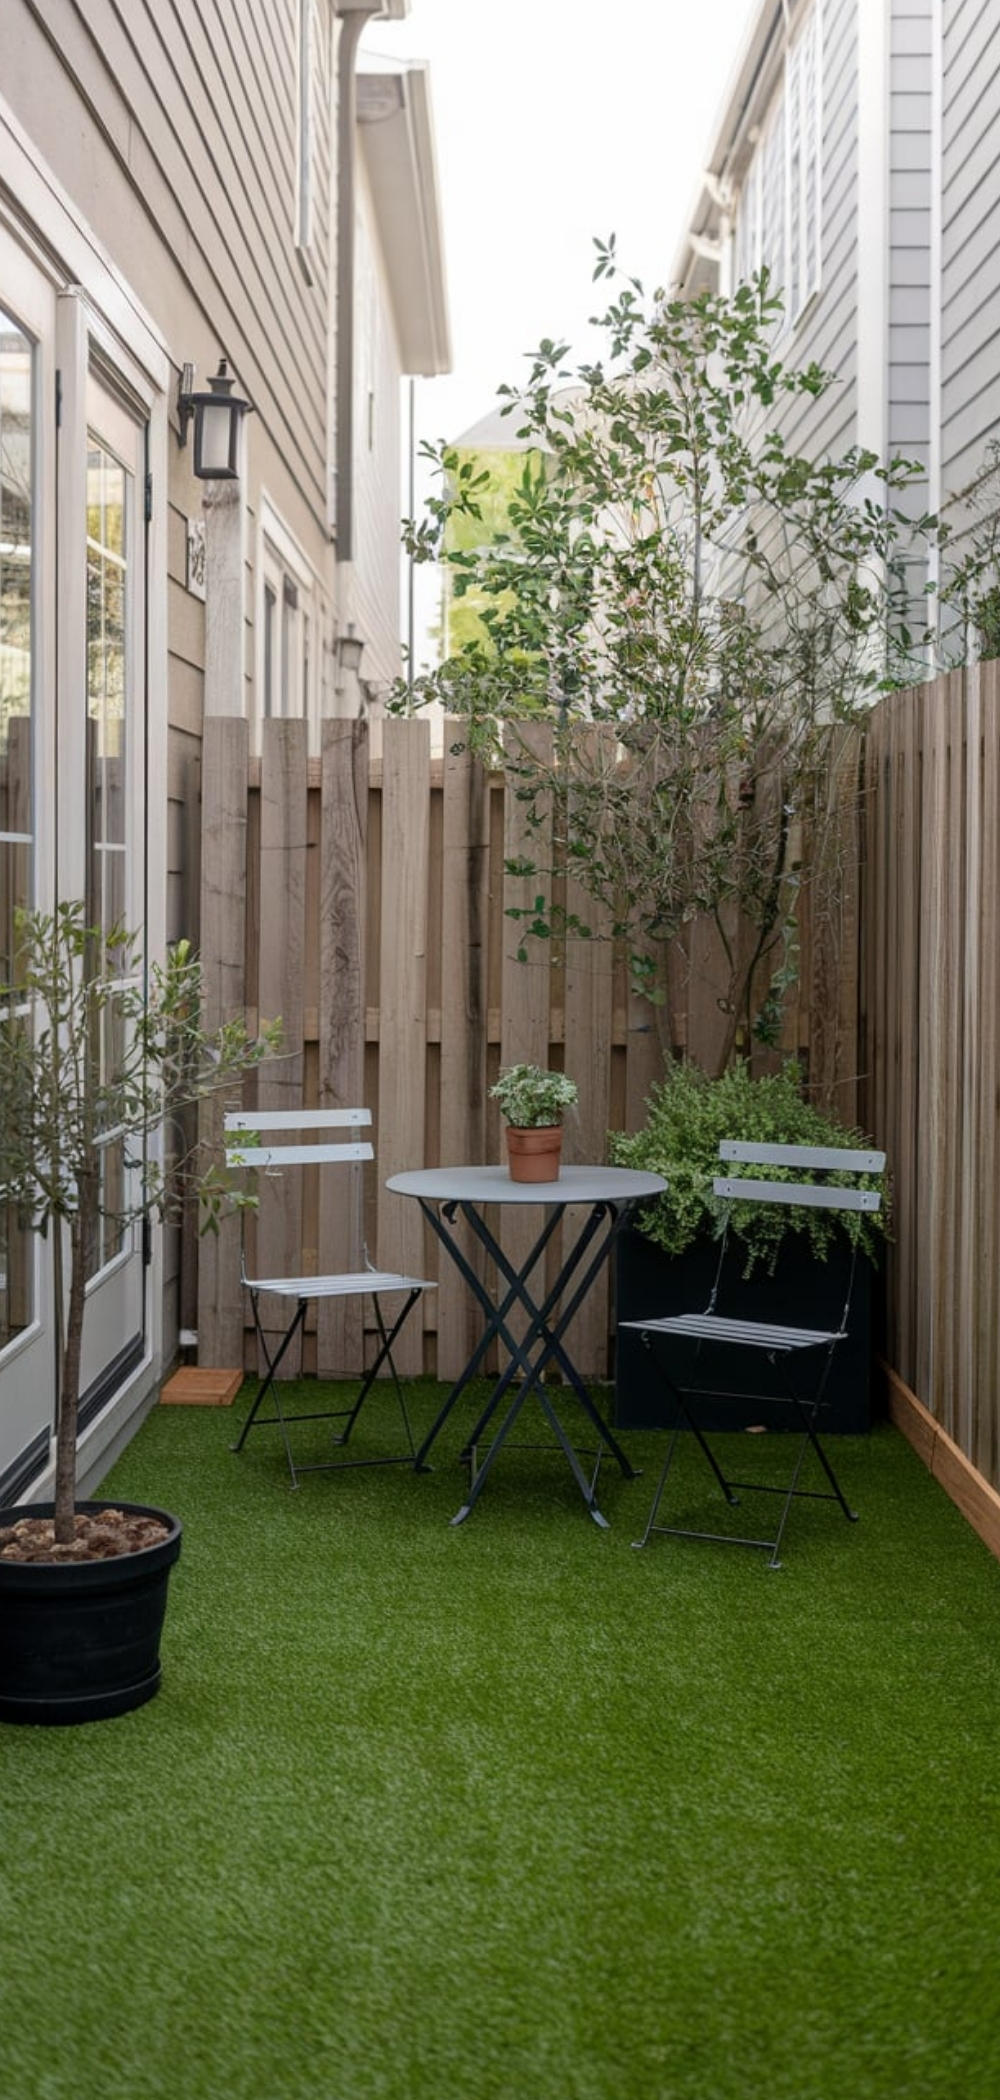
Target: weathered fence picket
(931, 1026)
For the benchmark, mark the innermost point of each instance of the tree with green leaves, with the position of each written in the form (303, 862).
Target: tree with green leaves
(97, 1065)
(694, 610)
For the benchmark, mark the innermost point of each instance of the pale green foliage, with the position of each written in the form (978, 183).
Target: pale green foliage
(671, 571)
(89, 1050)
(496, 478)
(689, 1114)
(971, 589)
(93, 1052)
(531, 1097)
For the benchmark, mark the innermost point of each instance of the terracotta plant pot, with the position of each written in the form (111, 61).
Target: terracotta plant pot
(534, 1155)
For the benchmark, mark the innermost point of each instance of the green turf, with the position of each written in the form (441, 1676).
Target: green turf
(512, 1812)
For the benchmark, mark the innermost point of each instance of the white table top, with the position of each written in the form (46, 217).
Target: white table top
(494, 1185)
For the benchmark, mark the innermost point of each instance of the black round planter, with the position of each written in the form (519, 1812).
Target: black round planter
(80, 1640)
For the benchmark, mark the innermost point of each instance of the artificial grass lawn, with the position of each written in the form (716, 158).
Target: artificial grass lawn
(513, 1810)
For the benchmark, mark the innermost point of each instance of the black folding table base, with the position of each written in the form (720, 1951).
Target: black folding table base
(540, 1348)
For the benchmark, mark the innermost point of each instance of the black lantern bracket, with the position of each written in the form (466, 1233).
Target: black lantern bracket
(217, 414)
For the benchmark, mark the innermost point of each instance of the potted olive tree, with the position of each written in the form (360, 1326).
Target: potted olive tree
(789, 1265)
(532, 1100)
(97, 1062)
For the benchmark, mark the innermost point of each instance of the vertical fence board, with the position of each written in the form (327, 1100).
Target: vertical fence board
(985, 1451)
(403, 1000)
(344, 770)
(526, 987)
(970, 1146)
(280, 1239)
(223, 904)
(906, 990)
(929, 726)
(588, 1017)
(828, 933)
(644, 1061)
(953, 873)
(464, 1018)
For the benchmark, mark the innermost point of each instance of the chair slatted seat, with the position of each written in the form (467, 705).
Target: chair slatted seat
(251, 1145)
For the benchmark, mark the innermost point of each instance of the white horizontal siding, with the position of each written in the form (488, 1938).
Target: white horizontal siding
(907, 189)
(910, 424)
(828, 331)
(970, 238)
(908, 332)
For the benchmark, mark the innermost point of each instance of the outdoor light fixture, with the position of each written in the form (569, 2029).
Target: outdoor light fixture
(217, 415)
(350, 649)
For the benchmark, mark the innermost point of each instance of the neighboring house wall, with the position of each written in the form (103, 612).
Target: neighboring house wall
(970, 238)
(907, 311)
(910, 207)
(770, 199)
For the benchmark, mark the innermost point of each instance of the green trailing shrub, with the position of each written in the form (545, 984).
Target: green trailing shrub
(688, 1116)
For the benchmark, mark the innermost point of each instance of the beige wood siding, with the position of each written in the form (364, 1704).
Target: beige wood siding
(174, 129)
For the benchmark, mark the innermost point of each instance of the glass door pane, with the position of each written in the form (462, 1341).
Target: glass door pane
(16, 531)
(114, 826)
(108, 685)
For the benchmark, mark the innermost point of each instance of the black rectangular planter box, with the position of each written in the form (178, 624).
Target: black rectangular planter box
(803, 1292)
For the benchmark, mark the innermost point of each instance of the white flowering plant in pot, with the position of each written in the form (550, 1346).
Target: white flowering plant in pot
(532, 1098)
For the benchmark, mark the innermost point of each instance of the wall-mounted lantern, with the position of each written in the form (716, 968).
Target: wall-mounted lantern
(350, 649)
(217, 416)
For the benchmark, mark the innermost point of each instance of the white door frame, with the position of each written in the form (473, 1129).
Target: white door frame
(92, 324)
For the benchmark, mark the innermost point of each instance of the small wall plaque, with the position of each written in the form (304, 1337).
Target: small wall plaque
(196, 556)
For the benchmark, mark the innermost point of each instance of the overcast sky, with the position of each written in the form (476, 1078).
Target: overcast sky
(557, 122)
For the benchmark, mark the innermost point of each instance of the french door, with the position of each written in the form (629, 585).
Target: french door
(104, 833)
(72, 764)
(27, 726)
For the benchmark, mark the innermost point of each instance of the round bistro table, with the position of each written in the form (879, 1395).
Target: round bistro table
(451, 1196)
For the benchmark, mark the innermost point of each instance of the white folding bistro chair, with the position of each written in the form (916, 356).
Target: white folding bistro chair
(782, 1345)
(249, 1146)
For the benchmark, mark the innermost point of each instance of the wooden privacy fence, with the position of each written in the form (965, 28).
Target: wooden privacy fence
(363, 897)
(931, 1014)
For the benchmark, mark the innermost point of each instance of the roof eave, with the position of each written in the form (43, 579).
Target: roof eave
(398, 149)
(744, 104)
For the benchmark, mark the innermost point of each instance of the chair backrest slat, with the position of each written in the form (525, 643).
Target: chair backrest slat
(862, 1162)
(299, 1119)
(300, 1152)
(813, 1194)
(238, 1155)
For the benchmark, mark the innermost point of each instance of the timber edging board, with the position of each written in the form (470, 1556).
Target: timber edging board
(970, 1492)
(192, 1387)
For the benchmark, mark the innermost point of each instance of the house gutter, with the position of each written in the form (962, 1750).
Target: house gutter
(769, 31)
(352, 27)
(354, 17)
